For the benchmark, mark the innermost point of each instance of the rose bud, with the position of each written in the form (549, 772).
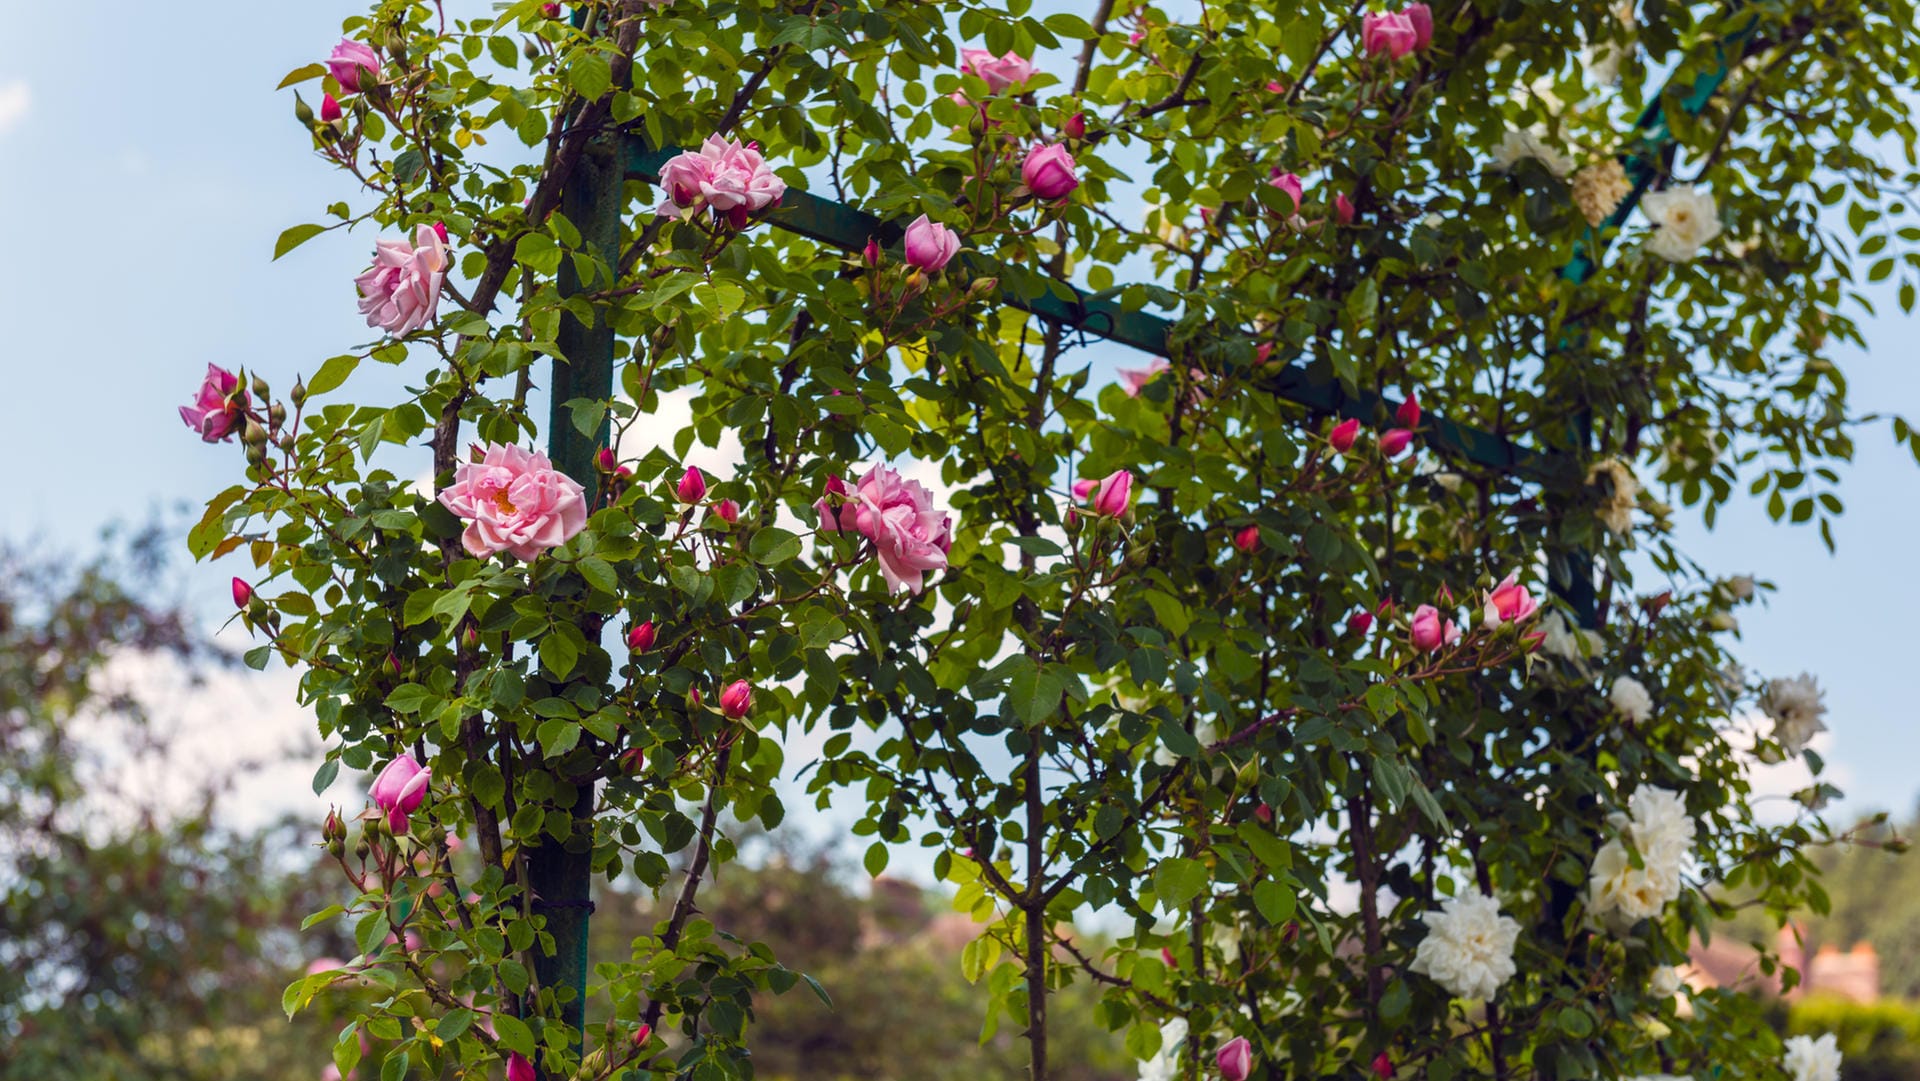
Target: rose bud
(1343, 209)
(1247, 539)
(870, 255)
(1430, 632)
(692, 487)
(727, 511)
(1048, 172)
(1360, 622)
(1382, 1066)
(1075, 126)
(329, 109)
(399, 789)
(736, 699)
(1394, 442)
(640, 638)
(350, 62)
(930, 246)
(642, 1034)
(1343, 435)
(518, 1068)
(1115, 491)
(1408, 415)
(1235, 1059)
(551, 11)
(633, 761)
(242, 593)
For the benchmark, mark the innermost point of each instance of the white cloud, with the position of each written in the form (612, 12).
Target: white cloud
(16, 101)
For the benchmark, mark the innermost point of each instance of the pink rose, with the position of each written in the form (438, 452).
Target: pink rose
(727, 511)
(518, 1068)
(729, 177)
(736, 699)
(1247, 539)
(1343, 209)
(1430, 632)
(242, 593)
(1391, 34)
(910, 537)
(1235, 1059)
(692, 487)
(219, 407)
(401, 291)
(1048, 172)
(513, 500)
(1408, 415)
(1393, 442)
(930, 246)
(833, 495)
(641, 637)
(350, 61)
(329, 109)
(1132, 380)
(1509, 602)
(1290, 184)
(1343, 435)
(1115, 492)
(998, 72)
(1421, 16)
(1075, 126)
(1360, 622)
(399, 790)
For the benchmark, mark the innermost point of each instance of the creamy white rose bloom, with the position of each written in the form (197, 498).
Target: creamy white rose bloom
(1629, 696)
(1685, 221)
(1809, 1059)
(1796, 706)
(1662, 830)
(1615, 885)
(1165, 1063)
(1469, 946)
(1516, 146)
(1598, 189)
(1665, 982)
(1662, 833)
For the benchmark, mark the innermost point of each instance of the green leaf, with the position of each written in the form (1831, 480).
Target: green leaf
(453, 1024)
(773, 545)
(599, 574)
(301, 75)
(408, 698)
(557, 737)
(294, 237)
(323, 777)
(590, 75)
(558, 655)
(1178, 880)
(1267, 848)
(332, 373)
(1069, 26)
(1034, 693)
(1275, 902)
(876, 859)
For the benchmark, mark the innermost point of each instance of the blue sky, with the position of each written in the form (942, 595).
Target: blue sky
(146, 180)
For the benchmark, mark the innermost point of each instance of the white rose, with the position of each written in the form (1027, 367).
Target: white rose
(1796, 707)
(1469, 947)
(1664, 983)
(1808, 1059)
(1630, 698)
(1685, 221)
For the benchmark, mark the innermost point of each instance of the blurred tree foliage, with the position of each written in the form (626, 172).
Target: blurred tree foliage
(1876, 899)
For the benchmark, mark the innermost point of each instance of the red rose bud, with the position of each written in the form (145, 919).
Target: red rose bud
(440, 230)
(640, 638)
(605, 460)
(1247, 539)
(737, 699)
(1075, 127)
(1263, 352)
(470, 637)
(1343, 209)
(329, 109)
(242, 593)
(519, 1069)
(870, 255)
(1394, 443)
(551, 11)
(694, 700)
(692, 487)
(642, 1034)
(727, 510)
(1292, 932)
(1408, 415)
(1532, 639)
(1360, 622)
(633, 761)
(1167, 956)
(393, 664)
(1343, 434)
(1383, 1066)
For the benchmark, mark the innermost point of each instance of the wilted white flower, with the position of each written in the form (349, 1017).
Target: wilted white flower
(1469, 946)
(1796, 706)
(1616, 512)
(1685, 221)
(1598, 189)
(1664, 983)
(1629, 696)
(1516, 145)
(1165, 1063)
(1808, 1059)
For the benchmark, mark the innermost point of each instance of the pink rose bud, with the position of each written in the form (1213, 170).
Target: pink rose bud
(440, 230)
(1388, 34)
(1262, 352)
(736, 699)
(242, 593)
(399, 790)
(830, 504)
(1075, 126)
(1343, 209)
(1430, 632)
(329, 109)
(727, 511)
(1264, 814)
(1359, 622)
(1167, 956)
(518, 1068)
(1509, 602)
(1115, 492)
(642, 1034)
(1394, 442)
(218, 406)
(350, 62)
(605, 460)
(871, 254)
(1421, 16)
(1383, 1066)
(633, 761)
(1409, 412)
(1290, 184)
(1136, 37)
(930, 246)
(1533, 639)
(551, 11)
(1049, 173)
(1247, 539)
(1275, 86)
(641, 637)
(1343, 435)
(1235, 1059)
(693, 698)
(692, 487)
(1082, 488)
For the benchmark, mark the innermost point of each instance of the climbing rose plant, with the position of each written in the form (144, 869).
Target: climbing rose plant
(1378, 756)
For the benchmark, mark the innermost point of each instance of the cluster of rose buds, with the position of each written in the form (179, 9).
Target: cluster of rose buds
(1393, 442)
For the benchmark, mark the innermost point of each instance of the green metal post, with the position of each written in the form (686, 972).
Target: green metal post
(561, 874)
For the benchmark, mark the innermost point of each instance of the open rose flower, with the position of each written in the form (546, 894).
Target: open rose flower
(1430, 632)
(930, 245)
(910, 536)
(401, 291)
(513, 500)
(1509, 602)
(1048, 172)
(353, 63)
(1396, 33)
(399, 790)
(999, 72)
(729, 177)
(219, 407)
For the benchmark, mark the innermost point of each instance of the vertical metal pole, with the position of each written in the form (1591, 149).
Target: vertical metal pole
(561, 874)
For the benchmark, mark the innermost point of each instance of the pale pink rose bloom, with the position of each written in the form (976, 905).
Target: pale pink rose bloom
(513, 500)
(1289, 183)
(998, 72)
(1421, 16)
(1509, 602)
(349, 60)
(218, 407)
(1132, 380)
(399, 790)
(401, 291)
(1235, 1059)
(1430, 632)
(1048, 172)
(832, 498)
(930, 246)
(1390, 33)
(731, 178)
(910, 536)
